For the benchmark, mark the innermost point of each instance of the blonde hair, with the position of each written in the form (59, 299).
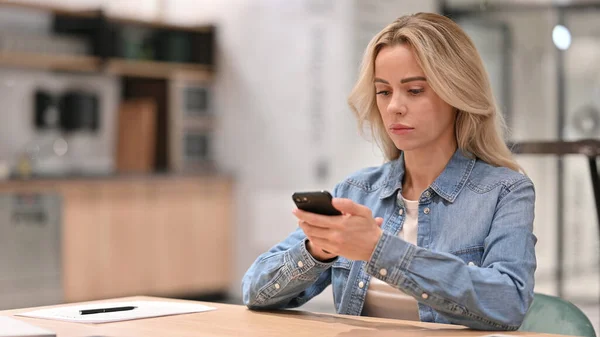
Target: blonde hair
(454, 70)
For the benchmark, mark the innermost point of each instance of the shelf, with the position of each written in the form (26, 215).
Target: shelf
(94, 12)
(50, 62)
(86, 17)
(155, 69)
(148, 69)
(88, 13)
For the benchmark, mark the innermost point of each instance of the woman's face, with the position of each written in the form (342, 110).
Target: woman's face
(415, 117)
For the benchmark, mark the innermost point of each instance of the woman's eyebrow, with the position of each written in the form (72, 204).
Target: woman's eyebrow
(404, 80)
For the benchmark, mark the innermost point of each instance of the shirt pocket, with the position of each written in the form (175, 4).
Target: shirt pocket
(471, 256)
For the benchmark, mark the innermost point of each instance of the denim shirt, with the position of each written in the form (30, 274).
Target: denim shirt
(473, 264)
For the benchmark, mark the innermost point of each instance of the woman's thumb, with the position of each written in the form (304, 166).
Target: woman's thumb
(379, 221)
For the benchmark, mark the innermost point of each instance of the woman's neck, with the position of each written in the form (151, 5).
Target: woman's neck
(423, 166)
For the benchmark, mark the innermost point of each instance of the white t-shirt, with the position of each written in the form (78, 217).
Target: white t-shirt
(383, 300)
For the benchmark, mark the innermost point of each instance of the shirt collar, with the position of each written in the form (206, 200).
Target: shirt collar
(447, 185)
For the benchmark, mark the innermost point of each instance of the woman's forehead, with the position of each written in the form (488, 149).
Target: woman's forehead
(397, 61)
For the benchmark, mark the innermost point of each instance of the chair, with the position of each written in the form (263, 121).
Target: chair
(550, 314)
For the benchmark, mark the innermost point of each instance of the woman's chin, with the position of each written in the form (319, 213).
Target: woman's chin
(407, 146)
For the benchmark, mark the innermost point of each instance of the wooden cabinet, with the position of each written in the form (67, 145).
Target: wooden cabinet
(166, 236)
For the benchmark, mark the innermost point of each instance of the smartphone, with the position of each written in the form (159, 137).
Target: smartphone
(318, 202)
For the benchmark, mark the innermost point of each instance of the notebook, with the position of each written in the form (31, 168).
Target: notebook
(11, 327)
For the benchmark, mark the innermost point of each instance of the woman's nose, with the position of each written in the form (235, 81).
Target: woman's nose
(397, 105)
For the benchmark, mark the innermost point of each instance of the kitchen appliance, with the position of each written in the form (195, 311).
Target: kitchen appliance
(47, 113)
(191, 126)
(79, 111)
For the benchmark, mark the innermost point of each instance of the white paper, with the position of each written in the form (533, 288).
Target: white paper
(144, 309)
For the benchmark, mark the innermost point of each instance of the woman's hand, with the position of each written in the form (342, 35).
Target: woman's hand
(318, 253)
(353, 235)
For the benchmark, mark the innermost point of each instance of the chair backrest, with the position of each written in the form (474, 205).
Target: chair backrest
(550, 314)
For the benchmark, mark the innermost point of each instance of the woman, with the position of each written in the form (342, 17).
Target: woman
(442, 232)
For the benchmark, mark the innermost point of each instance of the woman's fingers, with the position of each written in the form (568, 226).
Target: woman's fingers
(348, 206)
(313, 231)
(318, 220)
(324, 245)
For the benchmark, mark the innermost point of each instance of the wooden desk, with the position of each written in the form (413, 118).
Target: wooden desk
(235, 320)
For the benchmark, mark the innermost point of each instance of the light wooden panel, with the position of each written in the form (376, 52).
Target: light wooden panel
(157, 69)
(154, 236)
(136, 143)
(49, 61)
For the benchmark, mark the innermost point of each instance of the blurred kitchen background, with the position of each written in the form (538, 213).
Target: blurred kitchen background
(151, 147)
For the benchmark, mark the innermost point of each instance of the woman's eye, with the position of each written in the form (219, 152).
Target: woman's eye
(383, 92)
(415, 92)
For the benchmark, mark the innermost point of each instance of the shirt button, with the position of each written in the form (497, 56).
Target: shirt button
(424, 296)
(401, 211)
(471, 263)
(361, 284)
(300, 264)
(426, 210)
(427, 194)
(382, 272)
(277, 286)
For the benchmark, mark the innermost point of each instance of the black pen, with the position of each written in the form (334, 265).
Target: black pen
(98, 311)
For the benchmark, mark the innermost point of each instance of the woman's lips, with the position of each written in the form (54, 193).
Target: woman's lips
(401, 129)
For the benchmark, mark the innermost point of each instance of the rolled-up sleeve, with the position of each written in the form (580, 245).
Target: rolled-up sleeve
(287, 276)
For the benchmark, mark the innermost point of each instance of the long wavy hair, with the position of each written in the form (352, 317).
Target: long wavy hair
(454, 70)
